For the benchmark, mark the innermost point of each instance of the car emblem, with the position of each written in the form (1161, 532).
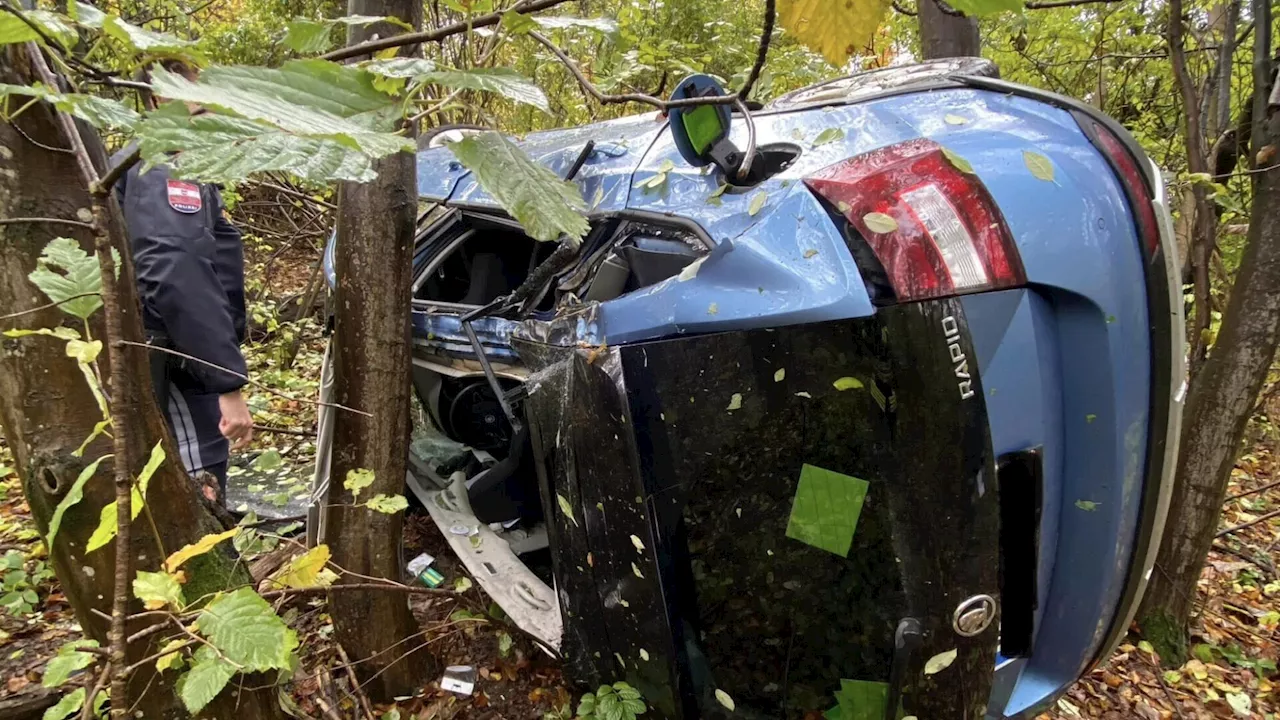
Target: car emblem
(974, 615)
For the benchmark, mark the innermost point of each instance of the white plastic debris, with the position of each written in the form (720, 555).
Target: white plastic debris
(460, 679)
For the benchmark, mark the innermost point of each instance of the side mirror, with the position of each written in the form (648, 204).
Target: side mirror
(701, 132)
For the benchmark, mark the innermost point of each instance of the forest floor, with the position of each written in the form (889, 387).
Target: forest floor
(1234, 645)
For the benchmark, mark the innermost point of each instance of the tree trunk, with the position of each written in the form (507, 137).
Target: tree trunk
(943, 34)
(46, 409)
(1220, 403)
(372, 367)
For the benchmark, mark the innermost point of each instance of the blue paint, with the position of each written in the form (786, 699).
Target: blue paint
(1064, 361)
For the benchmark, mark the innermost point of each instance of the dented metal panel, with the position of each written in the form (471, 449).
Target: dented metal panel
(675, 468)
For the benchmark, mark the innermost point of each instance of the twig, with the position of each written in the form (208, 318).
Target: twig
(766, 34)
(355, 684)
(103, 186)
(46, 306)
(86, 710)
(903, 10)
(438, 34)
(246, 378)
(1265, 566)
(281, 431)
(1254, 491)
(297, 194)
(1251, 523)
(1045, 4)
(62, 221)
(156, 656)
(39, 144)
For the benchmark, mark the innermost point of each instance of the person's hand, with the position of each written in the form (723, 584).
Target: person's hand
(236, 425)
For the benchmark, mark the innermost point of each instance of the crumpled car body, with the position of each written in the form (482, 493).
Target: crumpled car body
(889, 431)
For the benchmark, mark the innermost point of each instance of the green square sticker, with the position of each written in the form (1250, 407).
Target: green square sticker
(825, 510)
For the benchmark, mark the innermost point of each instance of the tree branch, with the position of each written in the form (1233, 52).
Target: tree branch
(1046, 4)
(1261, 518)
(63, 221)
(103, 186)
(903, 10)
(233, 373)
(46, 306)
(766, 34)
(438, 34)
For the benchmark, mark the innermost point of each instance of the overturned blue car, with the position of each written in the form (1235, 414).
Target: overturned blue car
(862, 403)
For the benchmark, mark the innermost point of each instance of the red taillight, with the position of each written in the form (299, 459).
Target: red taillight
(1130, 174)
(943, 234)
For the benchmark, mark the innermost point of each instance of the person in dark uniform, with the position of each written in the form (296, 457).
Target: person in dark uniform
(189, 262)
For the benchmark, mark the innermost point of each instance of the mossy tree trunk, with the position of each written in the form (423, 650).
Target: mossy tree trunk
(47, 410)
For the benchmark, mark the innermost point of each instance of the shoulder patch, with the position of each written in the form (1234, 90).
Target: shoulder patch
(184, 196)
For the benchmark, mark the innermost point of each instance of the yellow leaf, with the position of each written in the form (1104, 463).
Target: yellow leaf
(837, 30)
(197, 548)
(878, 222)
(303, 571)
(847, 383)
(169, 659)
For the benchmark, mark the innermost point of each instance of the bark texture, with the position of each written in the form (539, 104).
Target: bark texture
(1217, 410)
(944, 35)
(372, 367)
(46, 409)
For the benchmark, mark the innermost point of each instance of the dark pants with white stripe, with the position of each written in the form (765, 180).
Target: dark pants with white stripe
(193, 415)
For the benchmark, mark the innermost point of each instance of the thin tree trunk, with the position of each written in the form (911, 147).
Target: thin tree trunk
(943, 34)
(1221, 399)
(371, 359)
(46, 409)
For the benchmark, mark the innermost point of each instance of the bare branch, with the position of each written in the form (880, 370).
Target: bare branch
(438, 34)
(766, 34)
(246, 378)
(1235, 529)
(103, 186)
(903, 10)
(63, 221)
(1046, 4)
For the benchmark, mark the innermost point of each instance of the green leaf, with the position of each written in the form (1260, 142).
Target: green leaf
(308, 37)
(880, 223)
(170, 659)
(979, 8)
(518, 23)
(1240, 703)
(310, 98)
(217, 148)
(829, 135)
(357, 480)
(195, 549)
(504, 81)
(206, 678)
(566, 508)
(157, 590)
(723, 698)
(268, 461)
(67, 704)
(956, 160)
(400, 67)
(1203, 653)
(55, 26)
(587, 705)
(62, 333)
(633, 707)
(144, 477)
(940, 662)
(64, 271)
(847, 383)
(304, 570)
(626, 691)
(537, 198)
(835, 29)
(106, 529)
(1040, 166)
(387, 504)
(504, 644)
(73, 496)
(247, 631)
(757, 203)
(609, 707)
(559, 22)
(87, 15)
(68, 660)
(102, 113)
(13, 30)
(1087, 505)
(152, 43)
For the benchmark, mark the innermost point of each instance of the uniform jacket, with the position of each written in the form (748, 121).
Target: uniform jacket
(189, 262)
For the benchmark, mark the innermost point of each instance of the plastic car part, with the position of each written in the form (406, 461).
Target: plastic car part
(1126, 168)
(931, 223)
(529, 601)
